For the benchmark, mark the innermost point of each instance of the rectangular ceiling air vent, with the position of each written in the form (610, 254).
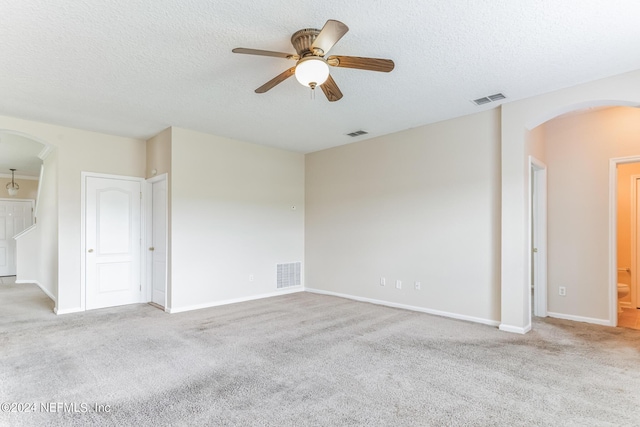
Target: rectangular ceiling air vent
(488, 99)
(357, 133)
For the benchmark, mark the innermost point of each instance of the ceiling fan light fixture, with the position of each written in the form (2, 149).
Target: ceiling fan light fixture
(312, 71)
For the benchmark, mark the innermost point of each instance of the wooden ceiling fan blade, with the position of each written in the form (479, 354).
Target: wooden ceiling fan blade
(331, 89)
(276, 80)
(371, 64)
(329, 35)
(265, 53)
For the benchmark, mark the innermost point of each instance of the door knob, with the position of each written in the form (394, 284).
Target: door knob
(152, 248)
(90, 250)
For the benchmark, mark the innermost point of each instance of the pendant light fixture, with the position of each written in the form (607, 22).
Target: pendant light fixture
(12, 187)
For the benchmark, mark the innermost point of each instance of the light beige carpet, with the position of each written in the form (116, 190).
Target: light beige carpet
(303, 360)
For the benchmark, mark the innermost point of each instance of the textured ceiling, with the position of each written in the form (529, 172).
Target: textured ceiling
(135, 67)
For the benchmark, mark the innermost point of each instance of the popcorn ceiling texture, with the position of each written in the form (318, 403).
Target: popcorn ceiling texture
(135, 67)
(308, 360)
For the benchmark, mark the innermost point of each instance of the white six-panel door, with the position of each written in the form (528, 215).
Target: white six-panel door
(112, 242)
(15, 216)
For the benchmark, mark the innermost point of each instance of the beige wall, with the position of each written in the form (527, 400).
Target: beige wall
(78, 151)
(159, 154)
(28, 188)
(231, 217)
(625, 217)
(419, 205)
(578, 149)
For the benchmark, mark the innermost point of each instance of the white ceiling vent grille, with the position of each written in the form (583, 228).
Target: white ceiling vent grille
(357, 133)
(488, 99)
(288, 275)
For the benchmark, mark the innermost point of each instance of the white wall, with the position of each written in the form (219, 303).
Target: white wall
(578, 149)
(419, 205)
(231, 217)
(78, 151)
(37, 251)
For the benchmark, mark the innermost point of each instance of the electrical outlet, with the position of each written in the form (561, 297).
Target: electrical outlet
(382, 281)
(398, 284)
(251, 277)
(418, 286)
(562, 291)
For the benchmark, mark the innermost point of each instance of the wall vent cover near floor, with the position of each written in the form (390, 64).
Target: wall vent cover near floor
(288, 275)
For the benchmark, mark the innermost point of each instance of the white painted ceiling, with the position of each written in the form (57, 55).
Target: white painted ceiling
(21, 154)
(135, 67)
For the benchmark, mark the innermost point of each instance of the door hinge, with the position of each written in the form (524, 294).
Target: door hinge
(535, 250)
(141, 195)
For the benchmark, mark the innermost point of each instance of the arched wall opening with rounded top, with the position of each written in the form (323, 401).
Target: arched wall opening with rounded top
(519, 121)
(36, 247)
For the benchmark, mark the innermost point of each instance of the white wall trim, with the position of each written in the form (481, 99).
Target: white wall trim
(23, 177)
(407, 307)
(291, 290)
(68, 310)
(613, 236)
(603, 322)
(35, 282)
(635, 295)
(515, 329)
(25, 231)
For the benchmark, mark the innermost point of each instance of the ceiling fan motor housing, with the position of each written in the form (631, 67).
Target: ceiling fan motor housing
(303, 39)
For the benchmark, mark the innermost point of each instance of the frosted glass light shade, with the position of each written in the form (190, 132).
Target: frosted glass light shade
(312, 71)
(12, 191)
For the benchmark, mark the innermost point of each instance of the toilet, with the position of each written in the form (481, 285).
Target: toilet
(623, 291)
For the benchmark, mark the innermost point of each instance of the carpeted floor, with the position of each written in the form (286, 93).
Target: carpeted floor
(306, 360)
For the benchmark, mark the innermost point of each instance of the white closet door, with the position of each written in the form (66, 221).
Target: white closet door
(113, 242)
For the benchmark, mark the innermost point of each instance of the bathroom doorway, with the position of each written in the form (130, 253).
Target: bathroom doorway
(627, 241)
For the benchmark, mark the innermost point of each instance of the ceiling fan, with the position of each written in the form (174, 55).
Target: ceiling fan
(312, 67)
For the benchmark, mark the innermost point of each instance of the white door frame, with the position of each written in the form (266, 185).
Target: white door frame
(635, 212)
(613, 234)
(538, 214)
(148, 238)
(83, 248)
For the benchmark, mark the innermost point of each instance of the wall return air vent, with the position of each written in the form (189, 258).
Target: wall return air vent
(488, 99)
(288, 275)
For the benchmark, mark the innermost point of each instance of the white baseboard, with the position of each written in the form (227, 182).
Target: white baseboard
(68, 310)
(407, 307)
(515, 329)
(292, 290)
(46, 291)
(603, 322)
